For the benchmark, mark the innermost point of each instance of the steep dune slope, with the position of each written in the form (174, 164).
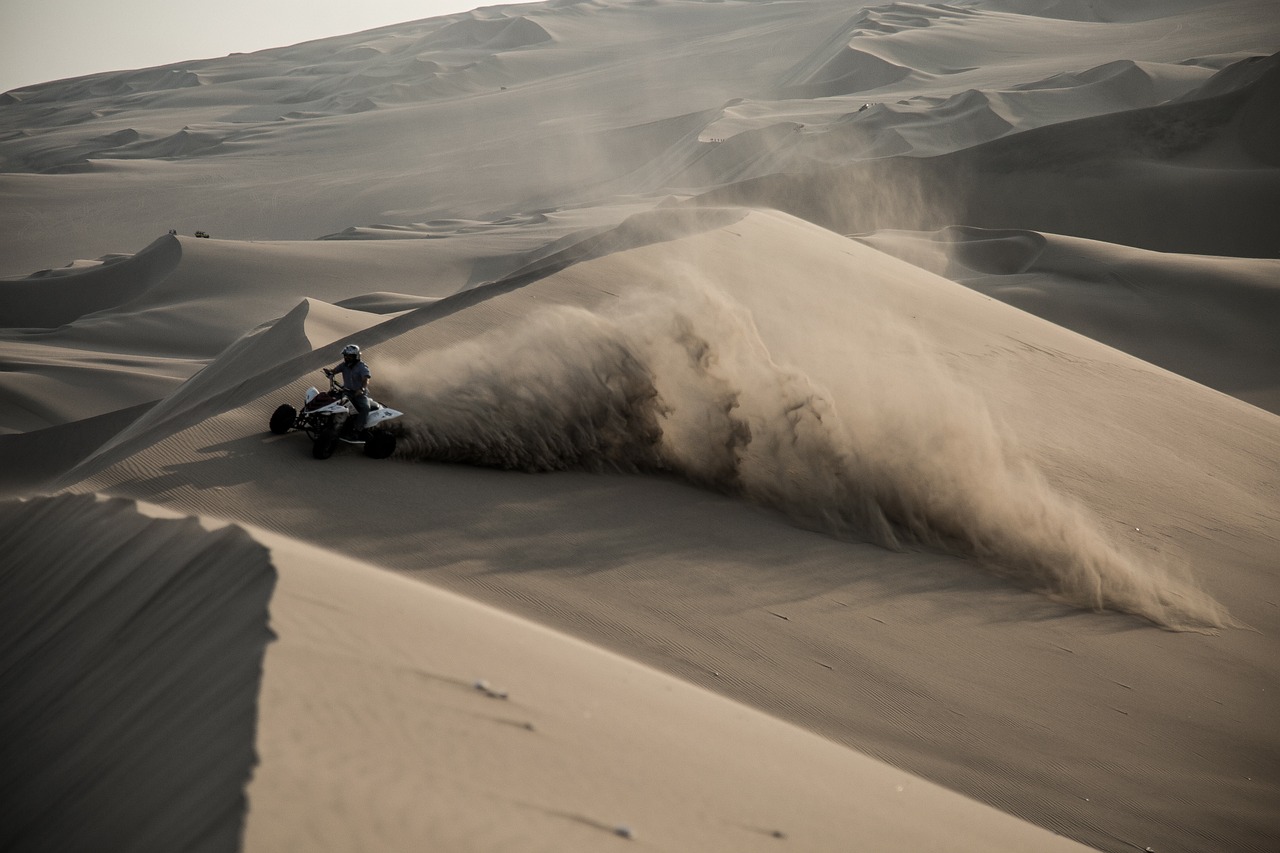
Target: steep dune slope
(52, 298)
(131, 650)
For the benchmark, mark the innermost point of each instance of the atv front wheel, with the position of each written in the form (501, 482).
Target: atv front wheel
(316, 425)
(283, 419)
(325, 444)
(379, 444)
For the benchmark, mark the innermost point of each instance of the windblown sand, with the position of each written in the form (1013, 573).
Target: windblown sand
(826, 427)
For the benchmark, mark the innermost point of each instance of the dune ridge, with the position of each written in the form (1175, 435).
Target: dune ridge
(130, 660)
(32, 303)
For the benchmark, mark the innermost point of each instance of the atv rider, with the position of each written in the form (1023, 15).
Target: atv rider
(355, 382)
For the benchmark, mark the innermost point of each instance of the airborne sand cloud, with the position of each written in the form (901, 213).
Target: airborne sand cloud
(678, 380)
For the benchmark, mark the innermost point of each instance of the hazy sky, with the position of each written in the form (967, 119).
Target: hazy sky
(43, 40)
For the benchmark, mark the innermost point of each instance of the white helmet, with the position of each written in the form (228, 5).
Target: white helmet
(351, 353)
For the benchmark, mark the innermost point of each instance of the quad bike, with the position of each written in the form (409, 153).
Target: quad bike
(325, 418)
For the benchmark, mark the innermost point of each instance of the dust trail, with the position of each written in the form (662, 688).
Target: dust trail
(682, 382)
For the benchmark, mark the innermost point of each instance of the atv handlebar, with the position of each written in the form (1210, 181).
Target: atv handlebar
(335, 386)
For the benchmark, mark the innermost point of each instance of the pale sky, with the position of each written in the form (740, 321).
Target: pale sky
(43, 40)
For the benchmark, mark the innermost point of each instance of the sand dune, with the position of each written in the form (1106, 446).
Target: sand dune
(550, 735)
(221, 467)
(132, 662)
(83, 289)
(1172, 310)
(1200, 162)
(519, 695)
(826, 427)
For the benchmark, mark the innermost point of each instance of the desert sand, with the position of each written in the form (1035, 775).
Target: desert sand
(826, 427)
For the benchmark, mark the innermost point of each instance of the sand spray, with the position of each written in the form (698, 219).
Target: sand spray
(677, 379)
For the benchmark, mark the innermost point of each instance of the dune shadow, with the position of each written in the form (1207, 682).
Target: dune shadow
(220, 465)
(131, 652)
(31, 459)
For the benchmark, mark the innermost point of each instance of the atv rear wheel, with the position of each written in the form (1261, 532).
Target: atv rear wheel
(283, 419)
(379, 444)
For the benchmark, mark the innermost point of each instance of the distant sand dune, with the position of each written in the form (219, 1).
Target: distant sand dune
(85, 291)
(847, 72)
(1186, 159)
(1176, 311)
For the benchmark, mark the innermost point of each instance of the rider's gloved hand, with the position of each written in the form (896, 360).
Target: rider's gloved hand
(328, 372)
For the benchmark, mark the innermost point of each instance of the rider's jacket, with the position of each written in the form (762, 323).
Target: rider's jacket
(352, 375)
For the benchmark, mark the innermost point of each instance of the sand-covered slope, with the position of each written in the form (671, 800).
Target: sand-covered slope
(1209, 318)
(788, 388)
(493, 732)
(375, 711)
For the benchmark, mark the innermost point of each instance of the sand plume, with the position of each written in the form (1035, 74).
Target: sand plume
(681, 382)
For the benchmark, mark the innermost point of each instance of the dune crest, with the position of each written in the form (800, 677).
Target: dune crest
(52, 298)
(130, 656)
